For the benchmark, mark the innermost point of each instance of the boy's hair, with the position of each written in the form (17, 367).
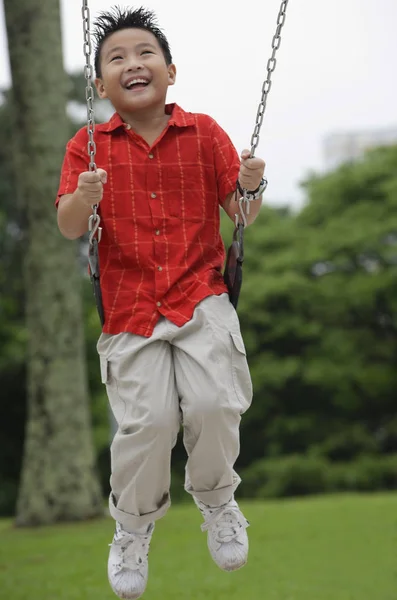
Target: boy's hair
(117, 19)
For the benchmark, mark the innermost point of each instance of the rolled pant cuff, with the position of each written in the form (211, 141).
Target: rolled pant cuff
(216, 497)
(131, 522)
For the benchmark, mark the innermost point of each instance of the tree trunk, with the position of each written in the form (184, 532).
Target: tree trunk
(59, 480)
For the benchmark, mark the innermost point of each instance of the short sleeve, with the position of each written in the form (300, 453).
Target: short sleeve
(75, 162)
(227, 162)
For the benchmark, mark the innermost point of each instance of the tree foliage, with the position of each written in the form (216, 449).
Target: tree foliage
(319, 315)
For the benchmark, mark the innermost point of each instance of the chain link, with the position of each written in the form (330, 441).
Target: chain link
(89, 91)
(267, 84)
(94, 220)
(244, 203)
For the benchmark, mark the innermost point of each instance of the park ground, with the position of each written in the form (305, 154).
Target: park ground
(323, 548)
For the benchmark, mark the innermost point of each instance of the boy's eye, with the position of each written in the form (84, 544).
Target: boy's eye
(147, 52)
(116, 58)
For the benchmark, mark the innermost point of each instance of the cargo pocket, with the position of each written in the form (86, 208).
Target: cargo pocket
(104, 369)
(117, 404)
(240, 372)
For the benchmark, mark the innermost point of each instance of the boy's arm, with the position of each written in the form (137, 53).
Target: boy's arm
(250, 178)
(231, 207)
(79, 189)
(73, 215)
(229, 167)
(75, 209)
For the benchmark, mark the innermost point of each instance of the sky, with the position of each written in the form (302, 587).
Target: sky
(336, 72)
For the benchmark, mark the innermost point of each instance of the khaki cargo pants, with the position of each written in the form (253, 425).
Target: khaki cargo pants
(196, 375)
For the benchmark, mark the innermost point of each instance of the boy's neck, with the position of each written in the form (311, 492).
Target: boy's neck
(148, 124)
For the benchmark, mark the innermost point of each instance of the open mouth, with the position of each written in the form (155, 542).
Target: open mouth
(136, 84)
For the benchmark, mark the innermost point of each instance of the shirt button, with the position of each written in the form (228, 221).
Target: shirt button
(151, 155)
(159, 268)
(153, 195)
(128, 126)
(157, 232)
(158, 304)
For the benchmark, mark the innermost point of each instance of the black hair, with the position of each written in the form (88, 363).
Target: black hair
(117, 19)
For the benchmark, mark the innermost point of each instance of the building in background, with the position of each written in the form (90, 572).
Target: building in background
(341, 148)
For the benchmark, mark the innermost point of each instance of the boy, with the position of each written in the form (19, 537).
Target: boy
(171, 349)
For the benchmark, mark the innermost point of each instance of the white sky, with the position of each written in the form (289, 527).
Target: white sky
(336, 71)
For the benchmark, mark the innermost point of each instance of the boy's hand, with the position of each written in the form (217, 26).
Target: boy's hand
(90, 186)
(251, 171)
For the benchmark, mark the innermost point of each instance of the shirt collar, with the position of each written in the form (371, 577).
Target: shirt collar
(178, 118)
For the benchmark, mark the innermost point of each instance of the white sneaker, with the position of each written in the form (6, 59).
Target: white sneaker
(227, 536)
(128, 562)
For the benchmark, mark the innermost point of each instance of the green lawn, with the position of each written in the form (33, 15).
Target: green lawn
(327, 548)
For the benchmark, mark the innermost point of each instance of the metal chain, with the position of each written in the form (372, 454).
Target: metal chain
(244, 203)
(267, 84)
(89, 95)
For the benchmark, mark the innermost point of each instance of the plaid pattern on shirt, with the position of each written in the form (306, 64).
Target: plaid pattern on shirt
(161, 251)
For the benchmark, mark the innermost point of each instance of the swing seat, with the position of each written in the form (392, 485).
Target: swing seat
(233, 275)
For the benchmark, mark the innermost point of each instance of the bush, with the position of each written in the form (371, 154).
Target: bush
(347, 444)
(303, 475)
(368, 473)
(286, 476)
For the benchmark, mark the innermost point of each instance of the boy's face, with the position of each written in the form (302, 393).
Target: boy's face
(135, 75)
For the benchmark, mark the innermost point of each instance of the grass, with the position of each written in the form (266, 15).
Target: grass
(326, 548)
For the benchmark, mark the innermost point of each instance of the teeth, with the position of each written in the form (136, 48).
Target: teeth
(135, 81)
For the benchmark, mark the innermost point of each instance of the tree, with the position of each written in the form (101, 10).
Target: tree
(59, 480)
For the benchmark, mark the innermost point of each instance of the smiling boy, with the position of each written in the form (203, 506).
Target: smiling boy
(171, 350)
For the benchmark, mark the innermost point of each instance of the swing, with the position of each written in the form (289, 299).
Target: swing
(233, 274)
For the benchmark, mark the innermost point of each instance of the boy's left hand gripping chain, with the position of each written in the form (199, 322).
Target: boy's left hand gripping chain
(93, 259)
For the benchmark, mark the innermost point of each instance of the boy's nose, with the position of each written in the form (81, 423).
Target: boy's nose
(134, 65)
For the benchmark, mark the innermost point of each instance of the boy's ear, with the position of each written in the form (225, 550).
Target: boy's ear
(171, 74)
(100, 88)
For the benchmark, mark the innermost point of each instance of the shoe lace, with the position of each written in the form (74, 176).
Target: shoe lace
(226, 523)
(134, 546)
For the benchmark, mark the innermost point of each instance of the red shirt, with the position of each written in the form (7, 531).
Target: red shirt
(161, 251)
